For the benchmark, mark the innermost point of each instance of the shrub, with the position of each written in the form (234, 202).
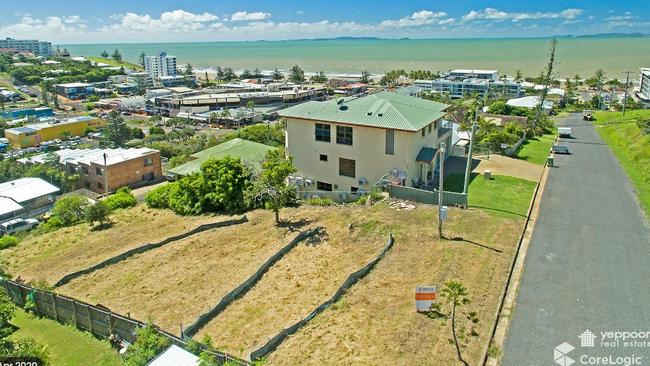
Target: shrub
(159, 197)
(156, 131)
(320, 201)
(53, 223)
(71, 209)
(8, 242)
(98, 213)
(123, 198)
(148, 344)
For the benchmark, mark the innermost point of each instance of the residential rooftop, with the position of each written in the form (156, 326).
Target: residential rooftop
(15, 192)
(90, 156)
(383, 110)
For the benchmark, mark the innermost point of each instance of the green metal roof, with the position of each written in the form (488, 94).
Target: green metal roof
(383, 109)
(426, 155)
(248, 151)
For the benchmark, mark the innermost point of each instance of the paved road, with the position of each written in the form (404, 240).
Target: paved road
(588, 264)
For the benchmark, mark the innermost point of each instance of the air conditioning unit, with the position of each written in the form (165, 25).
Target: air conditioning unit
(363, 181)
(308, 182)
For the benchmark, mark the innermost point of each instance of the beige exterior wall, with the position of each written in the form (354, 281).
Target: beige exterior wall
(119, 175)
(368, 151)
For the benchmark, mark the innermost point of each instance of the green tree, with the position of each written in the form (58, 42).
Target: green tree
(117, 56)
(271, 188)
(365, 77)
(189, 70)
(70, 209)
(277, 75)
(104, 54)
(116, 131)
(99, 212)
(455, 296)
(141, 58)
(148, 344)
(319, 77)
(518, 75)
(296, 75)
(224, 182)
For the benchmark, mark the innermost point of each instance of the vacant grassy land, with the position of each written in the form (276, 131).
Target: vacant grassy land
(502, 195)
(536, 150)
(631, 147)
(375, 323)
(112, 62)
(67, 346)
(51, 256)
(176, 283)
(306, 277)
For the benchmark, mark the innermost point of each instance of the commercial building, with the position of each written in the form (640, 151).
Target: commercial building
(38, 48)
(74, 90)
(248, 151)
(461, 83)
(35, 134)
(106, 170)
(37, 112)
(24, 196)
(160, 65)
(644, 87)
(348, 144)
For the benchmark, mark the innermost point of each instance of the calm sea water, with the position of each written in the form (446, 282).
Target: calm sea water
(575, 55)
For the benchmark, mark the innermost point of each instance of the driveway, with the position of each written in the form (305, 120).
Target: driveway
(588, 264)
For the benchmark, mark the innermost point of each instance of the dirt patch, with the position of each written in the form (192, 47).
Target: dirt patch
(51, 256)
(503, 165)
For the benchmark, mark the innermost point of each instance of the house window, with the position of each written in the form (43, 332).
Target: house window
(390, 142)
(148, 161)
(322, 132)
(148, 177)
(423, 131)
(430, 128)
(344, 135)
(99, 171)
(84, 170)
(322, 186)
(354, 190)
(323, 157)
(87, 184)
(99, 185)
(347, 167)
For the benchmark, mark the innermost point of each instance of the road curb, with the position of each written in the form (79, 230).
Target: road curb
(506, 306)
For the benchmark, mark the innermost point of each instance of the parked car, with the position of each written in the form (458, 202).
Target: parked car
(588, 115)
(564, 131)
(560, 149)
(13, 226)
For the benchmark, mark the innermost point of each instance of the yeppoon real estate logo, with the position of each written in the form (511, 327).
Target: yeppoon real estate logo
(623, 348)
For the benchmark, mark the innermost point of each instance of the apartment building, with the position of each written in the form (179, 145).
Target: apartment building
(160, 65)
(460, 83)
(33, 46)
(644, 87)
(348, 144)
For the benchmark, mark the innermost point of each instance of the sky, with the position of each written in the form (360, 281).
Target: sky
(121, 21)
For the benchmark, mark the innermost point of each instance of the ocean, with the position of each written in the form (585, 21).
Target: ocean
(580, 56)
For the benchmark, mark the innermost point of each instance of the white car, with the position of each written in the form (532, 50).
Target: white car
(17, 225)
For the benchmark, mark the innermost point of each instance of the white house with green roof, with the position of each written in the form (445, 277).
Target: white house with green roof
(347, 144)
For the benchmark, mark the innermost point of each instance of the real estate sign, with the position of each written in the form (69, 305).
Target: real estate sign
(425, 296)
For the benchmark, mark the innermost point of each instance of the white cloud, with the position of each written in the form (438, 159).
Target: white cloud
(620, 18)
(498, 15)
(176, 20)
(418, 18)
(181, 16)
(244, 15)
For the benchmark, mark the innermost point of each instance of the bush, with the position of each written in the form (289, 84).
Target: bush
(8, 242)
(53, 223)
(98, 213)
(159, 197)
(320, 201)
(71, 209)
(123, 198)
(148, 344)
(156, 131)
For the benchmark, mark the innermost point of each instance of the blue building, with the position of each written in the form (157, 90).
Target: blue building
(75, 90)
(21, 113)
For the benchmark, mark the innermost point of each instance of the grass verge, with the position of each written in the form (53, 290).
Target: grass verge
(631, 146)
(115, 63)
(536, 149)
(67, 346)
(502, 195)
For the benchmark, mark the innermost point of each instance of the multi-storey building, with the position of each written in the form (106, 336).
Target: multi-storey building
(160, 65)
(460, 83)
(33, 46)
(644, 87)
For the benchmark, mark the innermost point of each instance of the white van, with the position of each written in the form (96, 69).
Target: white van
(564, 131)
(13, 226)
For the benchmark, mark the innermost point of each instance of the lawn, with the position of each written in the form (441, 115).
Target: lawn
(67, 346)
(536, 150)
(502, 195)
(51, 256)
(631, 147)
(115, 63)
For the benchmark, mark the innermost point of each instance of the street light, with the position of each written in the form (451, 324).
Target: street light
(441, 176)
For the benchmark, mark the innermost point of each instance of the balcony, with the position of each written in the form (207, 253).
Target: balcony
(444, 128)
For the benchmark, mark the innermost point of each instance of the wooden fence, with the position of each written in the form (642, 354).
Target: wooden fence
(429, 197)
(102, 323)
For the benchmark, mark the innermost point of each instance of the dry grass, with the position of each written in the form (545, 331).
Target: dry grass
(51, 256)
(176, 283)
(307, 276)
(375, 322)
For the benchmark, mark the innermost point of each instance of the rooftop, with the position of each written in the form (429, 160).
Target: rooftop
(39, 126)
(74, 85)
(175, 356)
(248, 151)
(88, 156)
(382, 110)
(25, 189)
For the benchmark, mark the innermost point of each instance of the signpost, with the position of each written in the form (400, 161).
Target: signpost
(425, 296)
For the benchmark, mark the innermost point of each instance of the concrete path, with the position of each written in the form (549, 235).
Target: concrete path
(588, 265)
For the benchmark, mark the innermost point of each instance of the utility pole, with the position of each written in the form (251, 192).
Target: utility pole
(105, 174)
(627, 82)
(441, 157)
(468, 167)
